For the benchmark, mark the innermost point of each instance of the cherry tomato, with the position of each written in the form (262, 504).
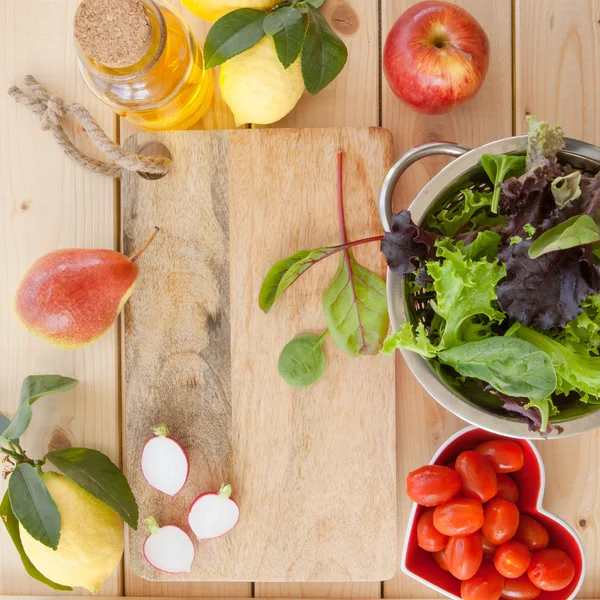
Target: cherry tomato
(500, 520)
(451, 465)
(486, 584)
(551, 570)
(520, 588)
(489, 549)
(428, 537)
(477, 476)
(464, 554)
(512, 559)
(507, 488)
(459, 516)
(531, 533)
(432, 484)
(506, 456)
(441, 560)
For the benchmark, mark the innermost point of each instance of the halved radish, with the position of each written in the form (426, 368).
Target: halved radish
(213, 514)
(168, 548)
(165, 463)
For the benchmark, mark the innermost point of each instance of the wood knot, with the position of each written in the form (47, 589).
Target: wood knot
(24, 206)
(582, 523)
(59, 440)
(344, 19)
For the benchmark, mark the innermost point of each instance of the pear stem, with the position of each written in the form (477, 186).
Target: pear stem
(140, 252)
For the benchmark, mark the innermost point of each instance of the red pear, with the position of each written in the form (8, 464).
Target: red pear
(71, 297)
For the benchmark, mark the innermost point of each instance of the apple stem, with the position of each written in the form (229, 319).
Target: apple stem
(140, 252)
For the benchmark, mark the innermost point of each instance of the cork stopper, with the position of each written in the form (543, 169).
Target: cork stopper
(114, 33)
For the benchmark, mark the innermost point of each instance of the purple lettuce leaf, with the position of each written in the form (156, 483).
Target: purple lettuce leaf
(531, 415)
(546, 292)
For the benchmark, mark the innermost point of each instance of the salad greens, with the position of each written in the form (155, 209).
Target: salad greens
(507, 282)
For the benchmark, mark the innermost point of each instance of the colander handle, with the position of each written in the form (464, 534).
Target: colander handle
(401, 164)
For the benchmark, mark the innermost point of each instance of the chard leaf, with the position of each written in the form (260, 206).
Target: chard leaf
(407, 246)
(33, 388)
(449, 221)
(546, 292)
(33, 506)
(286, 26)
(355, 308)
(500, 167)
(12, 526)
(323, 53)
(99, 476)
(232, 34)
(511, 366)
(576, 231)
(409, 339)
(302, 361)
(565, 189)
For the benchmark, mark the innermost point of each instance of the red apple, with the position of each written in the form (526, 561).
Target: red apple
(435, 57)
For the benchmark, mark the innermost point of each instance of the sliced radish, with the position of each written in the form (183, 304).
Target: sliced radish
(168, 548)
(214, 514)
(165, 463)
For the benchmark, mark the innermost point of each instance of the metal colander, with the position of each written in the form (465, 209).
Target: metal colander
(467, 399)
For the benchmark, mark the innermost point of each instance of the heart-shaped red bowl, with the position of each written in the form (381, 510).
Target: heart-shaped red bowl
(531, 480)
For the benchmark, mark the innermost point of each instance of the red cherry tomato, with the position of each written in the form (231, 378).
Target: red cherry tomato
(520, 588)
(531, 533)
(486, 584)
(432, 484)
(500, 520)
(464, 554)
(428, 537)
(512, 559)
(551, 570)
(459, 516)
(507, 488)
(441, 560)
(477, 476)
(506, 456)
(451, 465)
(489, 549)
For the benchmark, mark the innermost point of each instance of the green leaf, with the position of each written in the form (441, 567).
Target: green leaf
(12, 526)
(543, 142)
(510, 365)
(565, 189)
(96, 474)
(286, 26)
(576, 231)
(323, 53)
(302, 361)
(408, 339)
(546, 409)
(529, 229)
(449, 220)
(232, 34)
(355, 308)
(499, 168)
(34, 387)
(4, 423)
(315, 3)
(33, 506)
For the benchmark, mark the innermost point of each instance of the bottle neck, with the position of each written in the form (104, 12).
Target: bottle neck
(153, 52)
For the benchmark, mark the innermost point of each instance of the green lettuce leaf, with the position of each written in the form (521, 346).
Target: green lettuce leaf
(546, 409)
(565, 189)
(409, 339)
(543, 143)
(499, 168)
(582, 334)
(449, 221)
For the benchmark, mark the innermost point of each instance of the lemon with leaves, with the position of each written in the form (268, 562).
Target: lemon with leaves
(256, 86)
(212, 10)
(91, 538)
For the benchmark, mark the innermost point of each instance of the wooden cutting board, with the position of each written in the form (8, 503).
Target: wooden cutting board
(313, 470)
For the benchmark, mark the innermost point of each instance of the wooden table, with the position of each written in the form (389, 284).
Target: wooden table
(545, 60)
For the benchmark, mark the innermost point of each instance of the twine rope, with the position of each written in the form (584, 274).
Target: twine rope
(52, 110)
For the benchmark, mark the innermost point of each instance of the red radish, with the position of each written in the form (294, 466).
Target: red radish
(213, 514)
(168, 548)
(165, 464)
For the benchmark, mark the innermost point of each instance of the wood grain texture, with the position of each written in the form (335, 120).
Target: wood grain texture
(564, 39)
(422, 424)
(49, 203)
(303, 464)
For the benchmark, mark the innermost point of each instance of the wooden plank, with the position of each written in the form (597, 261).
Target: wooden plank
(422, 424)
(564, 38)
(48, 203)
(196, 305)
(344, 102)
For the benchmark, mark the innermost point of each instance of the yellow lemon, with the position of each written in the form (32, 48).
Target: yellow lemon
(257, 88)
(212, 10)
(91, 538)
